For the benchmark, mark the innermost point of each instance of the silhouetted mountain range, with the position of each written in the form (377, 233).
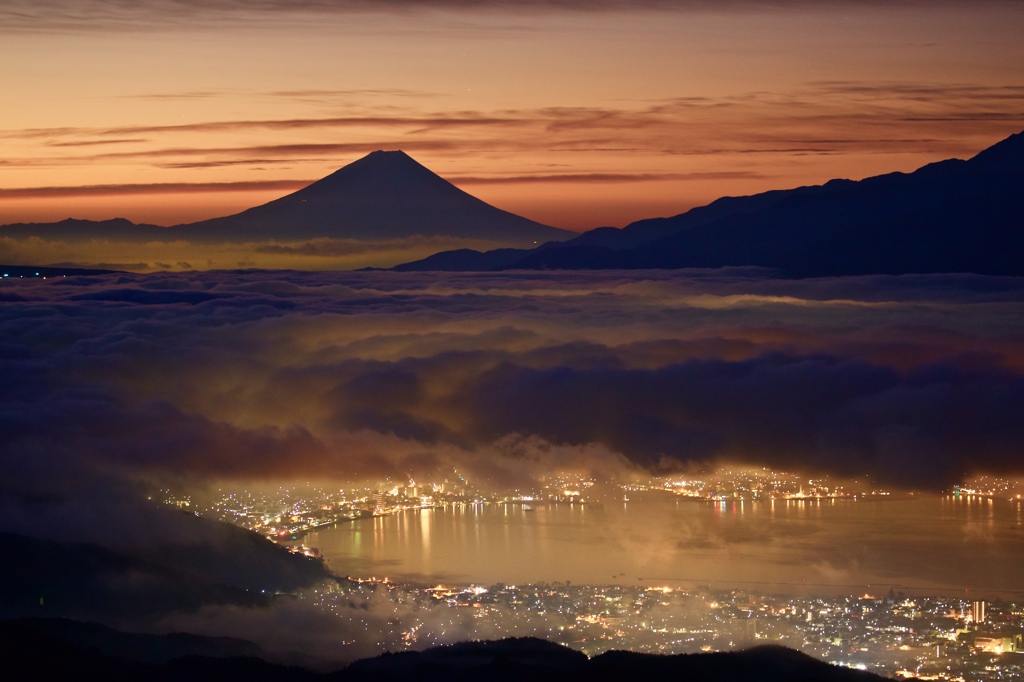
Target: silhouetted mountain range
(60, 650)
(950, 216)
(384, 195)
(74, 229)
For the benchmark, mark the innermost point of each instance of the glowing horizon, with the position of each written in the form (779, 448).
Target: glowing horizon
(570, 116)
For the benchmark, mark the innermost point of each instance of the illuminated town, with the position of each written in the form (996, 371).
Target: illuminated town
(890, 633)
(763, 484)
(285, 513)
(991, 487)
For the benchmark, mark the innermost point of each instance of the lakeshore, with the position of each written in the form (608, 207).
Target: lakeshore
(925, 543)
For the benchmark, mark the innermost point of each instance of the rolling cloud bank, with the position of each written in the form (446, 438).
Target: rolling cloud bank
(916, 379)
(116, 384)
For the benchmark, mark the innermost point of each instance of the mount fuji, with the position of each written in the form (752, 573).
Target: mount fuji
(384, 195)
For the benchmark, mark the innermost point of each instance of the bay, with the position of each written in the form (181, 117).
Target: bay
(972, 546)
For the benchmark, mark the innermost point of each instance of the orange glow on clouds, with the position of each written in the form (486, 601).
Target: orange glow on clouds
(572, 117)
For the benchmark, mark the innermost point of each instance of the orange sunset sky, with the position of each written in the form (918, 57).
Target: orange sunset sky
(576, 114)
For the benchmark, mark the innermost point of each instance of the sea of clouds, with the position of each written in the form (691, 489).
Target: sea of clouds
(915, 380)
(114, 385)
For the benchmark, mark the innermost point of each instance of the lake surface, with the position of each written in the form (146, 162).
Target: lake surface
(931, 543)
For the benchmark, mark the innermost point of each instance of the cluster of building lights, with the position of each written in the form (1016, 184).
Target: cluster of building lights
(923, 637)
(893, 634)
(752, 484)
(991, 487)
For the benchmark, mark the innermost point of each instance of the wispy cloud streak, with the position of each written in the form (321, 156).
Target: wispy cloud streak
(153, 188)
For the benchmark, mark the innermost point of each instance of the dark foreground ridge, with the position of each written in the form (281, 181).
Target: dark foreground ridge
(950, 216)
(64, 650)
(217, 564)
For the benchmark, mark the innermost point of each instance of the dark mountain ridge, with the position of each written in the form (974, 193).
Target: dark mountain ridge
(74, 229)
(950, 216)
(59, 651)
(44, 578)
(220, 564)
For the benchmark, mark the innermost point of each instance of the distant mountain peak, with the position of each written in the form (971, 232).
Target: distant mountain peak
(387, 156)
(383, 195)
(379, 174)
(386, 153)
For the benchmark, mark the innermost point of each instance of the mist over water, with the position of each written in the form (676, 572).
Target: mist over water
(924, 543)
(912, 381)
(115, 387)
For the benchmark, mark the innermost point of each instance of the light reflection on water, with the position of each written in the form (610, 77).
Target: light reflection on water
(824, 546)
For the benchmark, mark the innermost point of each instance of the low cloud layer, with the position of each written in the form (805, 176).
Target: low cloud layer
(137, 255)
(913, 380)
(116, 385)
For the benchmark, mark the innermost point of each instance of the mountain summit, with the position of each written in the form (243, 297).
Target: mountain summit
(384, 195)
